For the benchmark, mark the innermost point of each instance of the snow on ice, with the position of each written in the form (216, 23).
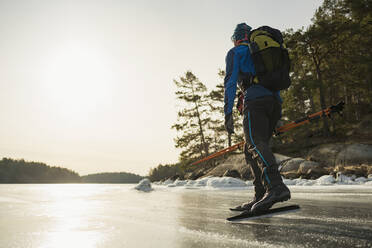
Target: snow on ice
(229, 182)
(144, 185)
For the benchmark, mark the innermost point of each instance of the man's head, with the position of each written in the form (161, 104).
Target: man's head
(241, 33)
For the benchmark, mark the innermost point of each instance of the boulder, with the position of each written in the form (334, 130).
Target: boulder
(292, 164)
(369, 170)
(175, 177)
(281, 158)
(325, 154)
(305, 166)
(234, 162)
(290, 174)
(341, 154)
(315, 172)
(231, 173)
(355, 154)
(359, 170)
(246, 173)
(195, 175)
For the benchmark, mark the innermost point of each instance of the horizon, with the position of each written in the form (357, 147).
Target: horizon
(88, 86)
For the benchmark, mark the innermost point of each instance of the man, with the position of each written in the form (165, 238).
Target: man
(262, 110)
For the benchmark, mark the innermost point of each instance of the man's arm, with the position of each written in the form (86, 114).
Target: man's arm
(230, 82)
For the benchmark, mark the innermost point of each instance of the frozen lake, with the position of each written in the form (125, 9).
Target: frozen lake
(111, 216)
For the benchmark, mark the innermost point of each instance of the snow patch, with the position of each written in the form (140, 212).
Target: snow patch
(289, 182)
(230, 182)
(361, 180)
(144, 185)
(343, 179)
(225, 182)
(325, 180)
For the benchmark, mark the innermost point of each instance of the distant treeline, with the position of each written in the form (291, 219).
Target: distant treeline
(113, 177)
(21, 171)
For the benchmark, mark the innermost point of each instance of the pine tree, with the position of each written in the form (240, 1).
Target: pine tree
(217, 126)
(193, 117)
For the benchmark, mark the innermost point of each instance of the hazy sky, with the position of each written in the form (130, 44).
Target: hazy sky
(88, 84)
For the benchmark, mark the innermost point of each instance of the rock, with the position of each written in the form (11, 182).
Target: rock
(325, 154)
(232, 173)
(292, 164)
(325, 180)
(175, 177)
(306, 165)
(233, 162)
(246, 173)
(355, 154)
(290, 174)
(370, 177)
(196, 174)
(369, 170)
(144, 185)
(358, 171)
(315, 172)
(281, 158)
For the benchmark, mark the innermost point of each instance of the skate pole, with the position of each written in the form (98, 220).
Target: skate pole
(323, 113)
(220, 153)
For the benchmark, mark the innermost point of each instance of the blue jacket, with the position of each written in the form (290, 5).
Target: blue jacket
(239, 66)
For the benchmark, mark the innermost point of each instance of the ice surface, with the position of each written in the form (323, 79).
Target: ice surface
(115, 216)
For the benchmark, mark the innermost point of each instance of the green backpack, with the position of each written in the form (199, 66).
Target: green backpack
(270, 58)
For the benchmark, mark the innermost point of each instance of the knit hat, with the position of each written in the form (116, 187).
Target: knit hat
(241, 32)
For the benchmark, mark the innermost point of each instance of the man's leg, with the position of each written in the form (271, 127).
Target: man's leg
(261, 115)
(259, 189)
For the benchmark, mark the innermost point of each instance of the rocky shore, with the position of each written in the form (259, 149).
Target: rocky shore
(352, 160)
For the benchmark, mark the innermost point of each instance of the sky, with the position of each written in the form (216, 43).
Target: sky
(88, 84)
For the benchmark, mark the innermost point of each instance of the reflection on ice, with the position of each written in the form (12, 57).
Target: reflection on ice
(70, 212)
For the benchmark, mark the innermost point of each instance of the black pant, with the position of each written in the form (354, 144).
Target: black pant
(260, 118)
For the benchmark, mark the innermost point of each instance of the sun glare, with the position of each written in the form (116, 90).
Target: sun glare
(77, 79)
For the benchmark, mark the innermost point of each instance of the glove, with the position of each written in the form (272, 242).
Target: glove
(229, 123)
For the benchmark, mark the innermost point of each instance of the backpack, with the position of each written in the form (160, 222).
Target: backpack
(270, 58)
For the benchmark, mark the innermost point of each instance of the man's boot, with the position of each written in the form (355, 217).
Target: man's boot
(259, 189)
(276, 191)
(276, 194)
(259, 193)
